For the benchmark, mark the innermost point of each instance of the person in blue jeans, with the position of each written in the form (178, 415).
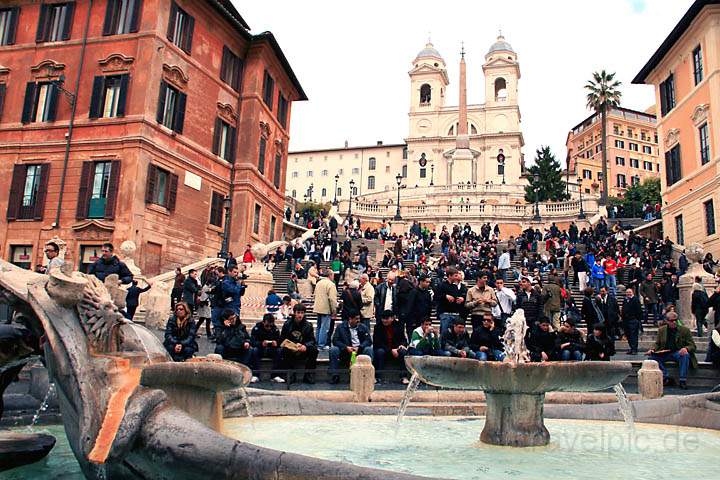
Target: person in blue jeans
(350, 337)
(674, 343)
(598, 274)
(486, 341)
(570, 342)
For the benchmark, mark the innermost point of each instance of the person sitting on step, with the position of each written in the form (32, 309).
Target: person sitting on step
(486, 340)
(299, 348)
(541, 342)
(180, 334)
(425, 340)
(570, 342)
(232, 341)
(599, 345)
(455, 340)
(389, 344)
(674, 343)
(351, 338)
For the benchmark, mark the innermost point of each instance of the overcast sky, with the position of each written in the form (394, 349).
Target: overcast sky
(352, 58)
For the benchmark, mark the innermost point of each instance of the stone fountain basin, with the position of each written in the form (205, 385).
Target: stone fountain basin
(523, 378)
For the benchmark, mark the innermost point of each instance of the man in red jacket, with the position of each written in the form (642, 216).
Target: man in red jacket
(611, 267)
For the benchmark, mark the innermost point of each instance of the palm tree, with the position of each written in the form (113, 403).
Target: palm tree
(603, 94)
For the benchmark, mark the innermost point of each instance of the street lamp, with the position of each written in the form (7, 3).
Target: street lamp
(310, 192)
(432, 174)
(352, 184)
(227, 204)
(335, 200)
(398, 179)
(501, 162)
(581, 215)
(536, 189)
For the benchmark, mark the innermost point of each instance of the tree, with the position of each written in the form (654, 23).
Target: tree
(637, 196)
(603, 95)
(550, 184)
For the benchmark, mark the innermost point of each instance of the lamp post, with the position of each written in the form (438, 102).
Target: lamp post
(335, 200)
(432, 174)
(352, 184)
(581, 215)
(536, 189)
(227, 204)
(398, 180)
(310, 192)
(501, 162)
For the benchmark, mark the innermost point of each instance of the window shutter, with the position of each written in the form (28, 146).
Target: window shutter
(29, 102)
(180, 112)
(54, 93)
(150, 184)
(172, 192)
(187, 41)
(42, 191)
(112, 193)
(135, 21)
(171, 23)
(122, 98)
(68, 21)
(41, 34)
(237, 81)
(161, 100)
(97, 94)
(86, 180)
(224, 64)
(2, 97)
(16, 188)
(110, 14)
(276, 176)
(216, 203)
(216, 137)
(233, 144)
(12, 28)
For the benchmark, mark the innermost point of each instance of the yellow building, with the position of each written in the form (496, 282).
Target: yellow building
(685, 71)
(632, 145)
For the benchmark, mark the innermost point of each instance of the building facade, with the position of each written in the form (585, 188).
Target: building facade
(426, 157)
(633, 152)
(134, 120)
(685, 71)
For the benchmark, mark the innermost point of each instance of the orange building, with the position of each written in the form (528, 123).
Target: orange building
(632, 150)
(133, 120)
(685, 71)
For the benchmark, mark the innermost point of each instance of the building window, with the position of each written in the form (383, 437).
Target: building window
(355, 171)
(372, 163)
(697, 65)
(41, 100)
(340, 171)
(8, 25)
(216, 209)
(667, 95)
(231, 69)
(423, 173)
(161, 188)
(256, 219)
(171, 107)
(709, 217)
(354, 191)
(679, 230)
(180, 28)
(268, 90)
(224, 141)
(278, 170)
(620, 161)
(294, 193)
(27, 192)
(647, 165)
(621, 180)
(634, 163)
(425, 94)
(633, 146)
(501, 169)
(647, 149)
(122, 17)
(273, 222)
(21, 256)
(339, 192)
(673, 172)
(387, 168)
(261, 156)
(55, 22)
(283, 111)
(404, 153)
(371, 182)
(635, 180)
(294, 174)
(323, 192)
(704, 144)
(587, 175)
(619, 143)
(108, 96)
(309, 173)
(404, 171)
(598, 148)
(324, 173)
(100, 189)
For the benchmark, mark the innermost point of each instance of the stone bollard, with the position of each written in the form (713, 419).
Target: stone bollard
(362, 378)
(650, 380)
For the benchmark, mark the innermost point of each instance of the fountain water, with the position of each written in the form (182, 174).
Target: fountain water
(514, 338)
(409, 393)
(246, 402)
(626, 408)
(43, 406)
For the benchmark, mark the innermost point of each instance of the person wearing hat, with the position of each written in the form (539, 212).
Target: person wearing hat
(674, 343)
(389, 344)
(455, 340)
(569, 342)
(541, 342)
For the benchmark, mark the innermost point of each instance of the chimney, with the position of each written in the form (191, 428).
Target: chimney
(379, 142)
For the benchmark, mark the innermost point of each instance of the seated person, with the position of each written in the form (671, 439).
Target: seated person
(265, 339)
(455, 340)
(351, 337)
(425, 340)
(674, 343)
(486, 341)
(569, 342)
(599, 345)
(273, 302)
(389, 343)
(180, 334)
(713, 354)
(232, 341)
(541, 342)
(297, 339)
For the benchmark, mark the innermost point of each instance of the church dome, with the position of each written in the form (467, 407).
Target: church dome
(429, 52)
(500, 46)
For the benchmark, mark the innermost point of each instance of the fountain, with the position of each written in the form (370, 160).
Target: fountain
(514, 389)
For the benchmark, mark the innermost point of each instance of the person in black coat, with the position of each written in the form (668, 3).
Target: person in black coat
(389, 343)
(265, 340)
(486, 341)
(699, 305)
(232, 341)
(109, 264)
(569, 342)
(608, 306)
(715, 303)
(599, 345)
(303, 348)
(632, 315)
(351, 300)
(180, 334)
(350, 337)
(541, 342)
(589, 311)
(530, 300)
(191, 289)
(132, 300)
(382, 291)
(455, 341)
(419, 304)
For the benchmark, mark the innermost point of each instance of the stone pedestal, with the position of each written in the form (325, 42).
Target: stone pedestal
(650, 380)
(362, 378)
(695, 254)
(515, 420)
(398, 227)
(156, 305)
(258, 283)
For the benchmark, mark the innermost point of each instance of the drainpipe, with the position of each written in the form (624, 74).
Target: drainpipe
(73, 107)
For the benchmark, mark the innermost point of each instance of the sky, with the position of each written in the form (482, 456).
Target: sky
(352, 59)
